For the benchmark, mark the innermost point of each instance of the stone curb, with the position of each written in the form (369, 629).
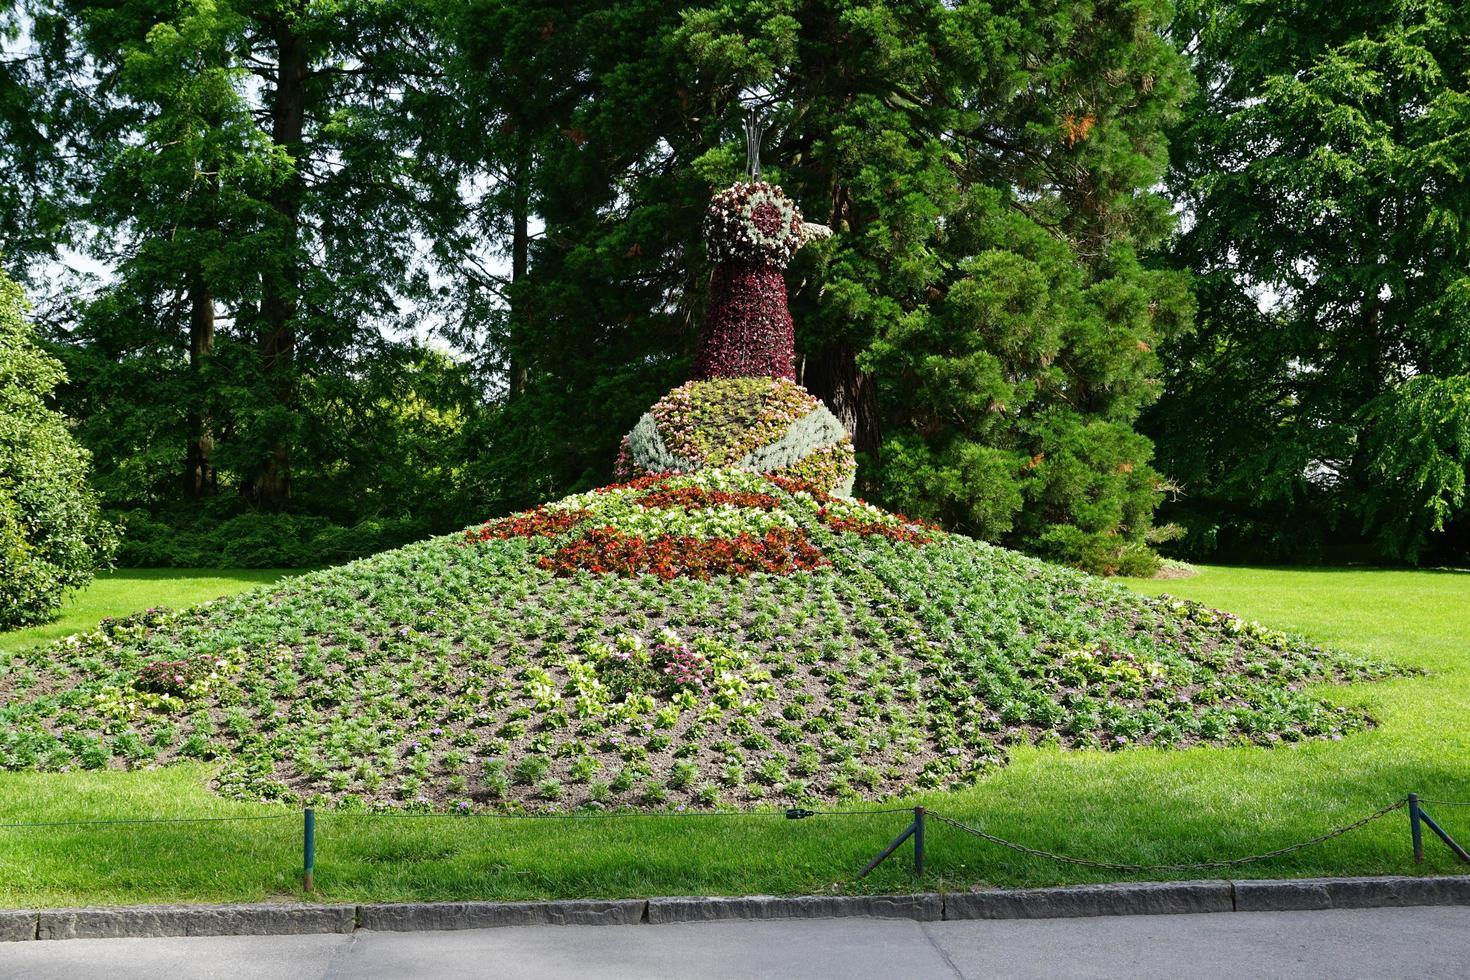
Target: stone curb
(1129, 898)
(924, 908)
(420, 916)
(1142, 898)
(146, 921)
(1349, 893)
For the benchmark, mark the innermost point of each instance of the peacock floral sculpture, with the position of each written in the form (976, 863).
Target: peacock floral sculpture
(743, 408)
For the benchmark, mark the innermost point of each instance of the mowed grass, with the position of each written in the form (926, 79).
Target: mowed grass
(131, 590)
(1138, 806)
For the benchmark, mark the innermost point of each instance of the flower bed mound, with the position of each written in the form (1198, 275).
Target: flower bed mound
(482, 671)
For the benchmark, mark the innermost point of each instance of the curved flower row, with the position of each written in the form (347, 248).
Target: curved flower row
(714, 522)
(780, 551)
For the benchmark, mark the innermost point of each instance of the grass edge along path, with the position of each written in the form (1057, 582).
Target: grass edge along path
(1137, 806)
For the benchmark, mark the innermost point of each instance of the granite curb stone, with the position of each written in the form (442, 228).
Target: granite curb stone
(1305, 894)
(923, 907)
(147, 921)
(419, 916)
(1128, 898)
(17, 924)
(1141, 898)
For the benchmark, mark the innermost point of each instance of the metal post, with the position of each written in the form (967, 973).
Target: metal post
(1449, 841)
(308, 852)
(1416, 830)
(907, 833)
(919, 841)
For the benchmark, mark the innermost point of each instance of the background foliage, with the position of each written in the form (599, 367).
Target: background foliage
(1319, 407)
(374, 268)
(51, 533)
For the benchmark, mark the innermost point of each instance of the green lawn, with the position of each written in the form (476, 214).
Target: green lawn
(1136, 806)
(132, 589)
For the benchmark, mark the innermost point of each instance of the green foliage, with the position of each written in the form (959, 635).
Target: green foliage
(959, 307)
(253, 539)
(1322, 164)
(243, 355)
(1416, 443)
(987, 169)
(52, 536)
(1044, 797)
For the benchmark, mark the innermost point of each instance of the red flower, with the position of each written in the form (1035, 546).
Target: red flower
(779, 551)
(538, 523)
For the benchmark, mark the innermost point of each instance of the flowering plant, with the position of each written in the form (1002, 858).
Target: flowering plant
(191, 677)
(714, 522)
(763, 424)
(753, 222)
(751, 230)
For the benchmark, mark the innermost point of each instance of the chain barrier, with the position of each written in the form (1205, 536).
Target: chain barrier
(792, 813)
(1200, 866)
(914, 831)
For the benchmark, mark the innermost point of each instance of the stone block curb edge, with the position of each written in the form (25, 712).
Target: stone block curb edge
(1129, 898)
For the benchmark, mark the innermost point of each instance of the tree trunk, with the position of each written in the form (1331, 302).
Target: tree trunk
(520, 252)
(282, 283)
(832, 374)
(199, 478)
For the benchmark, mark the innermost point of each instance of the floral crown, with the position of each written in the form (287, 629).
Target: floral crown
(756, 222)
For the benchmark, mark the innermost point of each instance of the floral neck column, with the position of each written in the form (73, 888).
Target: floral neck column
(751, 231)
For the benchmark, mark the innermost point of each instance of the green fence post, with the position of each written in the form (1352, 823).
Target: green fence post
(308, 852)
(1416, 831)
(919, 841)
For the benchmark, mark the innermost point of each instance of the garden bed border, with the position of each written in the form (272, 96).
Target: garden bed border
(1128, 898)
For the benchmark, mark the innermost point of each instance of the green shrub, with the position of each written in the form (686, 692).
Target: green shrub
(52, 535)
(255, 540)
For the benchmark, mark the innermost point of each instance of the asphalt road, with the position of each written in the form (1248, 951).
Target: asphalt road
(1413, 942)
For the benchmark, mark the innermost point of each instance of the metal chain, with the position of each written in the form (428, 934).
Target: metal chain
(789, 814)
(1446, 802)
(1037, 852)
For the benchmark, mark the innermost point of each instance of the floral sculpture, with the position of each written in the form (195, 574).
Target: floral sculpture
(743, 409)
(763, 425)
(751, 231)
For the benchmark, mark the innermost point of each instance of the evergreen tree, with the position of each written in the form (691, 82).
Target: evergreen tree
(1322, 165)
(981, 321)
(252, 185)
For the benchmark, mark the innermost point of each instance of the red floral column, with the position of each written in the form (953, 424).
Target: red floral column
(747, 330)
(751, 230)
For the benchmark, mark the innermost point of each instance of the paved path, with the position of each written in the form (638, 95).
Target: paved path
(1415, 942)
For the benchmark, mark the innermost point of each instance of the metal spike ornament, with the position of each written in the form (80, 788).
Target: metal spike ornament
(751, 230)
(755, 127)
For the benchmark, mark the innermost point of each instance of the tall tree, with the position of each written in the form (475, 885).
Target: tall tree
(1322, 166)
(981, 320)
(254, 187)
(33, 165)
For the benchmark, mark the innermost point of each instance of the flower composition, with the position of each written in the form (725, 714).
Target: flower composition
(753, 222)
(461, 675)
(751, 230)
(726, 627)
(698, 525)
(762, 424)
